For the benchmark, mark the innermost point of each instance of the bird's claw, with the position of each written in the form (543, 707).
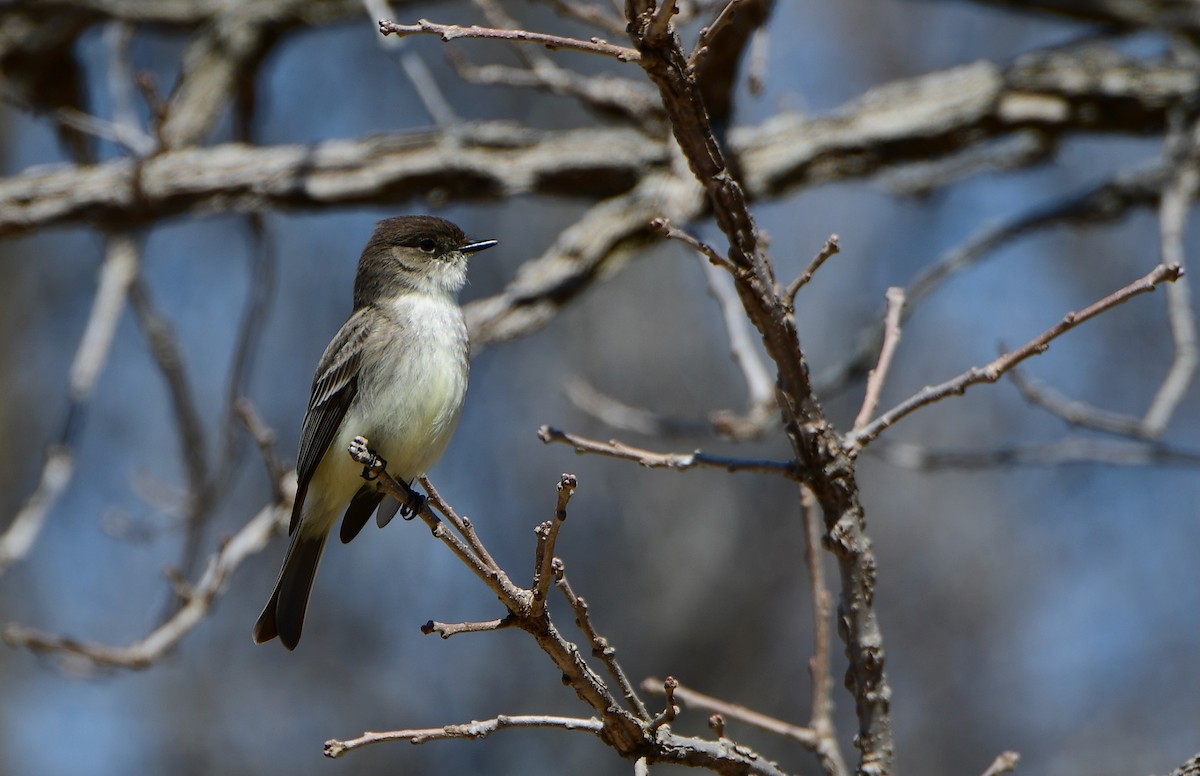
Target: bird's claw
(373, 467)
(409, 512)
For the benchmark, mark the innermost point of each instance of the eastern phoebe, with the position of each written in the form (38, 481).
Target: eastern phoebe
(395, 373)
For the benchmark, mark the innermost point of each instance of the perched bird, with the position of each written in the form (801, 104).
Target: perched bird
(395, 373)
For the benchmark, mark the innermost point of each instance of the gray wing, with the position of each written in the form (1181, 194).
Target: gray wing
(334, 387)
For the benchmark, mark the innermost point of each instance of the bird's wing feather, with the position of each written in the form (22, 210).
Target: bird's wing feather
(334, 388)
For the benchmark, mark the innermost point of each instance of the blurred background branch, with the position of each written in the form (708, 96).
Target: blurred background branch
(203, 166)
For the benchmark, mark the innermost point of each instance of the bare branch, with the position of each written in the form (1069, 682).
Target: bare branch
(824, 733)
(1066, 452)
(590, 14)
(760, 383)
(729, 711)
(487, 160)
(263, 435)
(18, 538)
(993, 371)
(600, 646)
(473, 730)
(547, 537)
(878, 375)
(831, 246)
(676, 461)
(604, 93)
(667, 715)
(448, 629)
(601, 241)
(449, 32)
(672, 232)
(1177, 199)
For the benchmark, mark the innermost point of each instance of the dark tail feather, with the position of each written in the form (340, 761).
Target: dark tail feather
(284, 613)
(359, 511)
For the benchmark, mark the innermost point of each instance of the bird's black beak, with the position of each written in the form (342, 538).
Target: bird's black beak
(476, 247)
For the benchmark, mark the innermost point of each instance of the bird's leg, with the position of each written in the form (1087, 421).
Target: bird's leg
(374, 465)
(416, 502)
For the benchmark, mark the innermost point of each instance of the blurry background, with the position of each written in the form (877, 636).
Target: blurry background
(1050, 609)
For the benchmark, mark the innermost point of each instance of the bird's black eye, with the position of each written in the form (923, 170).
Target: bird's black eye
(427, 245)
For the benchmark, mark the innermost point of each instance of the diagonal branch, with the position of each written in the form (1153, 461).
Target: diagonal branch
(858, 439)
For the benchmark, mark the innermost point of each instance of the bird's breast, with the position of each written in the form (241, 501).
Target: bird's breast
(413, 383)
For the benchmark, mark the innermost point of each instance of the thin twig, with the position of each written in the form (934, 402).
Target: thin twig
(600, 646)
(435, 102)
(1074, 411)
(590, 14)
(168, 355)
(474, 730)
(878, 375)
(264, 437)
(1065, 452)
(676, 461)
(448, 629)
(760, 383)
(18, 538)
(547, 538)
(736, 711)
(670, 711)
(461, 523)
(672, 232)
(448, 32)
(1173, 213)
(360, 451)
(990, 373)
(824, 732)
(832, 245)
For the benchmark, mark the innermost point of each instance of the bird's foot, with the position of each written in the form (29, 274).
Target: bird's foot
(416, 504)
(373, 465)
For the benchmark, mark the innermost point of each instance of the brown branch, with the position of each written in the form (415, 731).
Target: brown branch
(626, 733)
(824, 732)
(448, 629)
(675, 461)
(472, 730)
(672, 232)
(729, 711)
(669, 712)
(600, 646)
(547, 537)
(1100, 204)
(831, 246)
(814, 444)
(449, 32)
(461, 523)
(856, 440)
(878, 375)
